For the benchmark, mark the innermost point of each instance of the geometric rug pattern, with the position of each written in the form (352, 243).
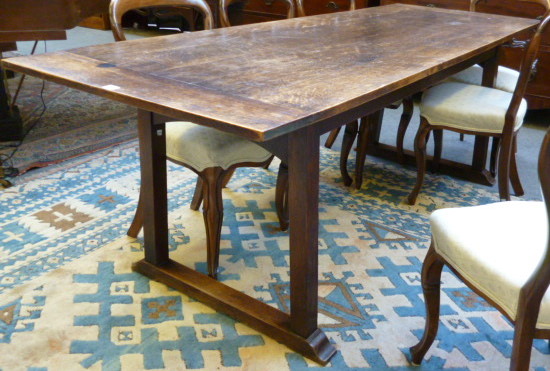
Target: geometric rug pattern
(69, 299)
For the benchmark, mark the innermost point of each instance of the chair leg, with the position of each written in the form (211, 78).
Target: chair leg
(228, 174)
(514, 175)
(495, 146)
(266, 165)
(431, 282)
(332, 137)
(420, 154)
(522, 345)
(362, 144)
(197, 196)
(438, 148)
(281, 196)
(408, 108)
(213, 178)
(137, 223)
(350, 133)
(503, 175)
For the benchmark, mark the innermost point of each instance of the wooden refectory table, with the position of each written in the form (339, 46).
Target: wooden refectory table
(281, 84)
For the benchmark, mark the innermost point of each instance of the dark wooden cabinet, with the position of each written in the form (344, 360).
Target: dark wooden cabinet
(538, 90)
(254, 11)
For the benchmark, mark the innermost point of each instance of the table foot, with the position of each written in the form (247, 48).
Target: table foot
(258, 315)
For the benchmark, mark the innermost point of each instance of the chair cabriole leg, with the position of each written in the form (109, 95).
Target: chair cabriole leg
(408, 107)
(514, 175)
(350, 133)
(281, 196)
(420, 154)
(197, 196)
(431, 282)
(213, 178)
(137, 222)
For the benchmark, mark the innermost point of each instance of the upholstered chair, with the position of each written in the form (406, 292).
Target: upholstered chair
(478, 110)
(502, 252)
(212, 154)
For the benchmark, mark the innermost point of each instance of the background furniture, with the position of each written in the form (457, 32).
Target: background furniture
(35, 20)
(538, 89)
(481, 111)
(504, 258)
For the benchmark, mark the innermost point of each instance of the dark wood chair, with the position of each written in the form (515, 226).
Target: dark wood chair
(478, 110)
(213, 155)
(502, 252)
(506, 80)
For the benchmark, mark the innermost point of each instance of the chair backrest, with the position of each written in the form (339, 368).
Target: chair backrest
(224, 10)
(527, 61)
(302, 12)
(119, 7)
(534, 289)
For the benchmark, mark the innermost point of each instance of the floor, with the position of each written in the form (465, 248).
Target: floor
(530, 136)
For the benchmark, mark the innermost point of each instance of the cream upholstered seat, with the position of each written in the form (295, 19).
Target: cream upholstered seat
(201, 147)
(482, 111)
(502, 252)
(496, 248)
(506, 79)
(469, 107)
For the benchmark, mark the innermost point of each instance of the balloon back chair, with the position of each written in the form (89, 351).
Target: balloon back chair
(212, 154)
(502, 252)
(478, 110)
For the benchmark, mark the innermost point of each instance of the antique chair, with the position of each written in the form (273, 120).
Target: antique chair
(506, 79)
(502, 252)
(224, 14)
(210, 153)
(478, 110)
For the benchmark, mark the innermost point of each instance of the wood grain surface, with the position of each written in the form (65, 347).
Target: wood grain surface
(265, 80)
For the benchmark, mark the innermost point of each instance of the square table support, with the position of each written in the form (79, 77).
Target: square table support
(299, 329)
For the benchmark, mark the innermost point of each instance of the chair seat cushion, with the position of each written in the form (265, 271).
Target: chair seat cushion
(201, 147)
(496, 248)
(468, 107)
(506, 80)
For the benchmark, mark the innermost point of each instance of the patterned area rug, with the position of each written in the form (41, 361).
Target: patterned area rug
(69, 299)
(73, 124)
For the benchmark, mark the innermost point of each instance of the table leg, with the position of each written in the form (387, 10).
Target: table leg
(298, 330)
(152, 151)
(303, 164)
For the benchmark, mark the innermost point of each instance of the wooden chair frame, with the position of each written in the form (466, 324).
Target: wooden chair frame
(117, 9)
(507, 168)
(210, 180)
(530, 296)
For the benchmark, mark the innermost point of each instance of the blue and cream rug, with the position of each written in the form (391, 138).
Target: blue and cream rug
(70, 301)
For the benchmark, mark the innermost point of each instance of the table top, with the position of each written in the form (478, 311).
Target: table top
(268, 79)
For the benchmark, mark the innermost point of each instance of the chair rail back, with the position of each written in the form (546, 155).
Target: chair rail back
(224, 14)
(119, 7)
(529, 57)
